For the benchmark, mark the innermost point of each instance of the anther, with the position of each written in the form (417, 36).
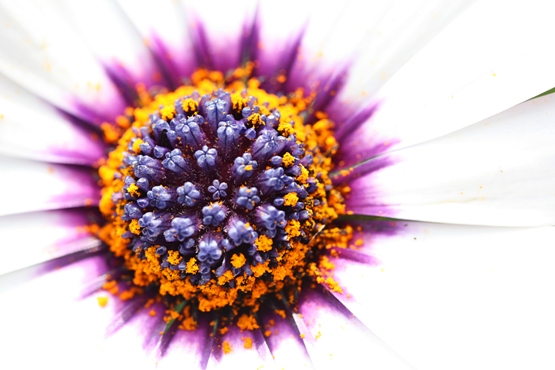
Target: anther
(214, 214)
(181, 229)
(247, 197)
(206, 158)
(188, 194)
(218, 190)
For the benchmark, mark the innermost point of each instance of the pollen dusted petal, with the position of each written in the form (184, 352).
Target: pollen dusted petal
(445, 87)
(327, 324)
(504, 181)
(40, 186)
(170, 41)
(437, 292)
(62, 232)
(64, 307)
(258, 355)
(32, 128)
(116, 44)
(285, 340)
(35, 39)
(405, 27)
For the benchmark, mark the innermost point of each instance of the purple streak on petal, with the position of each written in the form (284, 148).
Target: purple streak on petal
(58, 263)
(346, 174)
(312, 300)
(123, 81)
(328, 91)
(364, 199)
(353, 255)
(106, 112)
(250, 38)
(129, 309)
(282, 328)
(92, 261)
(348, 118)
(352, 124)
(152, 326)
(270, 67)
(198, 341)
(177, 67)
(77, 238)
(167, 337)
(369, 230)
(217, 346)
(84, 192)
(87, 149)
(201, 46)
(95, 285)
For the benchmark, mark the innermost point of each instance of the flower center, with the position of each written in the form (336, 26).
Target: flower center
(216, 194)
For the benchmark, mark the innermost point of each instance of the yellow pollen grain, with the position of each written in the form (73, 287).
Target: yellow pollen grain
(102, 301)
(134, 190)
(303, 176)
(263, 243)
(174, 257)
(134, 227)
(288, 160)
(247, 342)
(238, 260)
(285, 128)
(223, 330)
(226, 347)
(293, 228)
(167, 112)
(247, 322)
(189, 106)
(255, 120)
(290, 199)
(192, 266)
(137, 146)
(281, 313)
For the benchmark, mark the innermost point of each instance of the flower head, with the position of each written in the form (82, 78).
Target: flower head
(229, 182)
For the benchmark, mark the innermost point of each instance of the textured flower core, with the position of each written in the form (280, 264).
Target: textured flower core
(216, 195)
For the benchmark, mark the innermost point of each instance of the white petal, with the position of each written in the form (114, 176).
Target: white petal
(33, 186)
(165, 30)
(473, 69)
(457, 297)
(112, 38)
(42, 54)
(33, 238)
(373, 40)
(497, 172)
(336, 338)
(393, 32)
(32, 128)
(43, 315)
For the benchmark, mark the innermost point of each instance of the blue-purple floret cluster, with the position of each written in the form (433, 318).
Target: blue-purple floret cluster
(210, 183)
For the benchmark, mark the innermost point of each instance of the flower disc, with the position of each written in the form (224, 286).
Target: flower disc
(216, 196)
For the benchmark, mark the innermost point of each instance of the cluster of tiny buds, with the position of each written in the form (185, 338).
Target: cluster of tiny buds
(210, 178)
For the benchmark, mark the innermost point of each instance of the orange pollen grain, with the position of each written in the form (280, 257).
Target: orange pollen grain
(226, 347)
(247, 343)
(238, 260)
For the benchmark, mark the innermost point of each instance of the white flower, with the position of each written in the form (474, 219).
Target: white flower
(454, 190)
